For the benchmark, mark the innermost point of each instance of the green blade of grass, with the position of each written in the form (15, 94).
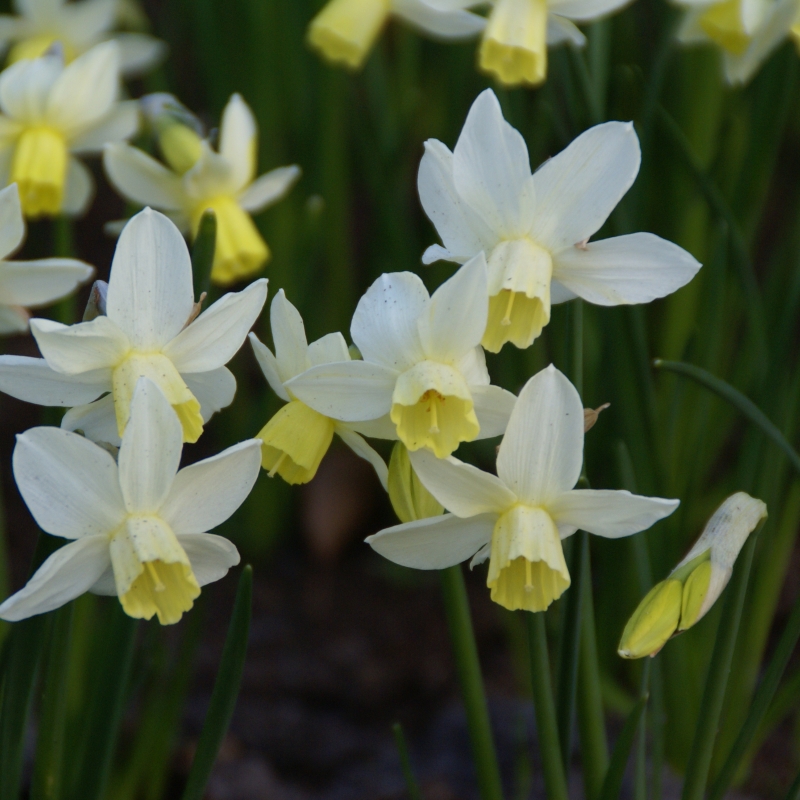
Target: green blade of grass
(405, 762)
(203, 253)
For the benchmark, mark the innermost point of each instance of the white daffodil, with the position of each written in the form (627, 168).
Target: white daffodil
(423, 378)
(518, 518)
(535, 228)
(296, 439)
(76, 27)
(692, 588)
(52, 112)
(29, 283)
(139, 527)
(201, 178)
(748, 31)
(518, 33)
(150, 331)
(345, 30)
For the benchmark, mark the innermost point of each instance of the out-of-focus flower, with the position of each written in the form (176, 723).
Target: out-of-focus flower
(139, 528)
(29, 283)
(518, 518)
(424, 375)
(150, 331)
(201, 178)
(296, 439)
(535, 228)
(518, 33)
(49, 113)
(345, 30)
(748, 31)
(687, 594)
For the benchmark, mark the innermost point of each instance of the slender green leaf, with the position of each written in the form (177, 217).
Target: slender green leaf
(794, 789)
(405, 762)
(203, 253)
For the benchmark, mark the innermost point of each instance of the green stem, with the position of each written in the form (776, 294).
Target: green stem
(465, 651)
(405, 762)
(794, 789)
(552, 765)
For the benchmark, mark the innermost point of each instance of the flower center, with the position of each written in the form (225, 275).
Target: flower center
(39, 168)
(345, 30)
(723, 23)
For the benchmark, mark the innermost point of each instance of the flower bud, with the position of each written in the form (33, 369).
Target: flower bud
(178, 131)
(410, 499)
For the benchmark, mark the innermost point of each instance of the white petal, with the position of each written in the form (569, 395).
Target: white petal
(96, 421)
(384, 327)
(380, 428)
(560, 30)
(269, 366)
(81, 24)
(327, 349)
(491, 168)
(36, 283)
(212, 175)
(70, 485)
(211, 556)
(120, 123)
(214, 390)
(141, 178)
(205, 494)
(585, 10)
(214, 337)
(34, 381)
(151, 449)
(493, 407)
(65, 575)
(72, 349)
(150, 294)
(25, 87)
(636, 268)
(13, 319)
(269, 188)
(443, 24)
(12, 223)
(472, 365)
(435, 543)
(542, 452)
(78, 189)
(238, 139)
(349, 391)
(455, 319)
(462, 489)
(559, 293)
(289, 336)
(609, 513)
(139, 53)
(437, 253)
(463, 232)
(577, 189)
(359, 446)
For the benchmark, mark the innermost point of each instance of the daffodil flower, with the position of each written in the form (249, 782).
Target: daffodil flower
(150, 331)
(345, 30)
(691, 589)
(423, 378)
(748, 31)
(201, 178)
(138, 528)
(295, 440)
(518, 518)
(76, 27)
(29, 283)
(50, 113)
(518, 33)
(535, 228)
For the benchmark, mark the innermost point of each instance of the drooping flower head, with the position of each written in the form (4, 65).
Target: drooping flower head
(295, 440)
(345, 30)
(200, 178)
(535, 228)
(518, 518)
(139, 527)
(151, 329)
(423, 377)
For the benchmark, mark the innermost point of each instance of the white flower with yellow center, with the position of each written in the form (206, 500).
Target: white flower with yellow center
(201, 178)
(518, 518)
(49, 114)
(518, 33)
(76, 27)
(423, 378)
(150, 331)
(748, 31)
(345, 30)
(29, 283)
(296, 439)
(535, 228)
(139, 528)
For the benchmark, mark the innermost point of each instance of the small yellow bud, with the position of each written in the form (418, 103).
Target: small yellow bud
(653, 622)
(180, 145)
(410, 499)
(694, 595)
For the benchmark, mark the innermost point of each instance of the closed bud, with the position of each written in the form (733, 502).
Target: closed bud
(654, 621)
(410, 499)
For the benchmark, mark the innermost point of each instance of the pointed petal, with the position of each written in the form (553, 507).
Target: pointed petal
(78, 189)
(560, 30)
(150, 294)
(139, 53)
(289, 336)
(141, 178)
(269, 188)
(493, 407)
(542, 452)
(12, 223)
(238, 140)
(577, 189)
(120, 123)
(65, 575)
(437, 253)
(25, 87)
(585, 10)
(214, 390)
(214, 337)
(609, 513)
(72, 349)
(360, 447)
(462, 489)
(34, 381)
(96, 421)
(36, 283)
(269, 366)
(70, 485)
(211, 556)
(445, 24)
(435, 543)
(327, 349)
(205, 494)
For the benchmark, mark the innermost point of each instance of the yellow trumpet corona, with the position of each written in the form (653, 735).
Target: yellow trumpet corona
(345, 30)
(723, 24)
(39, 168)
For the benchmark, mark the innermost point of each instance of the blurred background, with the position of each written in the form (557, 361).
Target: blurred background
(343, 643)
